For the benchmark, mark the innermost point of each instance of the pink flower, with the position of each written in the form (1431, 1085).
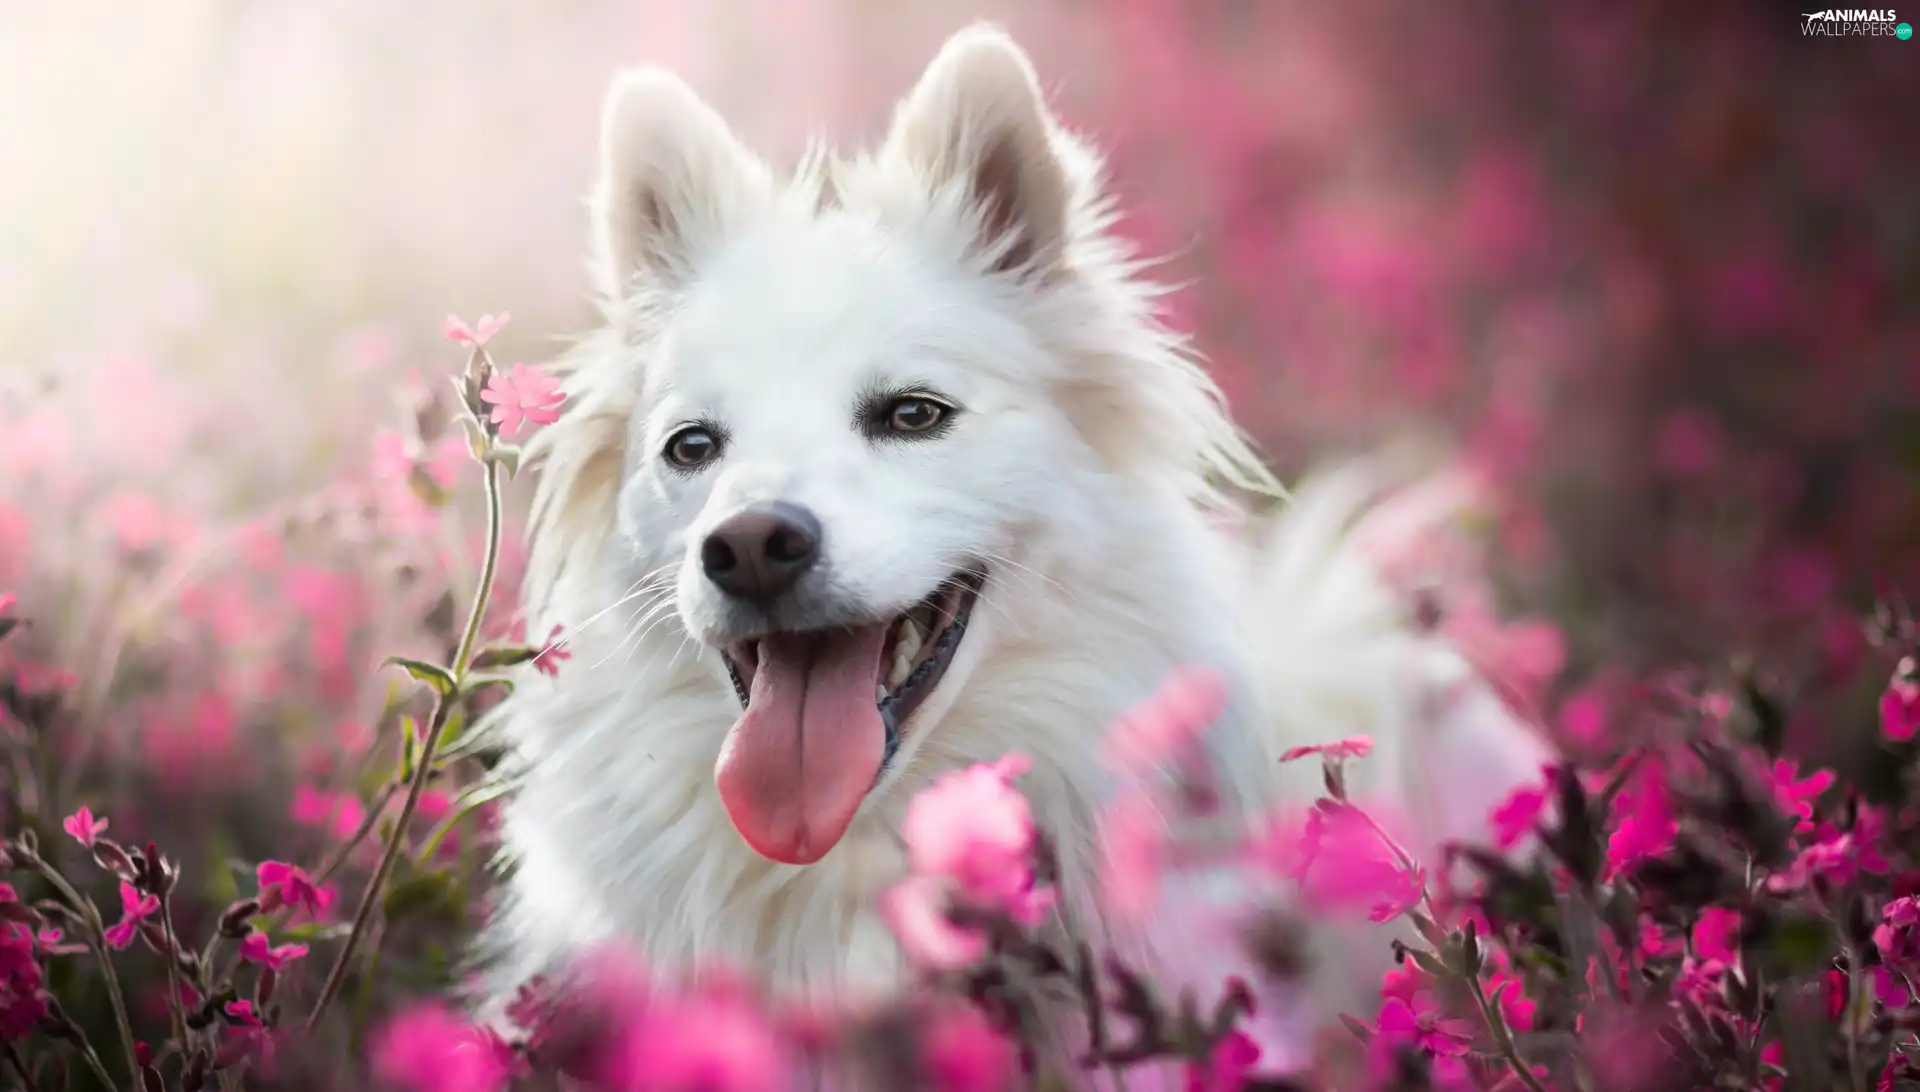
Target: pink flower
(83, 826)
(1717, 935)
(289, 885)
(1833, 859)
(339, 813)
(973, 827)
(1900, 705)
(429, 1049)
(1423, 1029)
(1158, 729)
(1514, 818)
(1797, 794)
(916, 910)
(1647, 826)
(1898, 934)
(247, 1037)
(1227, 1067)
(960, 1052)
(23, 999)
(1131, 834)
(522, 395)
(1342, 861)
(134, 909)
(1351, 747)
(716, 1041)
(548, 661)
(455, 330)
(7, 601)
(256, 948)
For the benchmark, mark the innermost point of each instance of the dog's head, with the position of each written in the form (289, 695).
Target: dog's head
(829, 410)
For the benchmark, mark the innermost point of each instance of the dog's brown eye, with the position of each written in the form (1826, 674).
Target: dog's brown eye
(914, 415)
(691, 447)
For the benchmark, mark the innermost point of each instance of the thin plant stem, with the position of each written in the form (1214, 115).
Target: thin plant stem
(442, 709)
(96, 941)
(176, 1000)
(20, 1067)
(1502, 1038)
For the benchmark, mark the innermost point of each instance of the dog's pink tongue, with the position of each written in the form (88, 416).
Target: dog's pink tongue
(801, 758)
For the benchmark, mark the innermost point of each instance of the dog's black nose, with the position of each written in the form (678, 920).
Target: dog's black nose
(759, 554)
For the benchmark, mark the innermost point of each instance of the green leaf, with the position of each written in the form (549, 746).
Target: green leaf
(422, 485)
(426, 894)
(1799, 945)
(1360, 1031)
(475, 797)
(314, 930)
(409, 742)
(503, 656)
(433, 675)
(506, 455)
(479, 684)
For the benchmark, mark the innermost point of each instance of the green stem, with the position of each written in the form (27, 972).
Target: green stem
(177, 1001)
(1497, 1027)
(20, 1066)
(442, 709)
(94, 1063)
(96, 942)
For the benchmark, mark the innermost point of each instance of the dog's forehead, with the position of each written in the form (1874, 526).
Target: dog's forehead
(811, 301)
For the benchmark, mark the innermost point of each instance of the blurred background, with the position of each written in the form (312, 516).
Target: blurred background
(1652, 269)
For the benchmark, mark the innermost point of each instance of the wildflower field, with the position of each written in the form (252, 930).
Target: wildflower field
(1648, 273)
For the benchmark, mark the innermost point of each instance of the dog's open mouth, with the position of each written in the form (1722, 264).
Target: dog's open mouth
(823, 713)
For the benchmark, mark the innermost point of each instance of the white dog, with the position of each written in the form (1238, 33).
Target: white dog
(885, 469)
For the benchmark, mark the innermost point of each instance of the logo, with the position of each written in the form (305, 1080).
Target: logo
(1853, 23)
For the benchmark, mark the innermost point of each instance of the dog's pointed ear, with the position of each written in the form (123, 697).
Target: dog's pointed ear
(673, 181)
(978, 121)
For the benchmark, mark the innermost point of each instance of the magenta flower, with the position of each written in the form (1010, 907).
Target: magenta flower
(247, 1037)
(83, 826)
(7, 601)
(1647, 826)
(1514, 818)
(973, 827)
(960, 1052)
(429, 1049)
(283, 884)
(134, 909)
(256, 948)
(522, 395)
(1228, 1067)
(1797, 794)
(1833, 859)
(1898, 934)
(1900, 705)
(718, 1041)
(1717, 935)
(1350, 747)
(1342, 862)
(1423, 1029)
(456, 330)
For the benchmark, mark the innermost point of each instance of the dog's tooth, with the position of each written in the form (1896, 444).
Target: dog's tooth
(879, 693)
(902, 667)
(911, 640)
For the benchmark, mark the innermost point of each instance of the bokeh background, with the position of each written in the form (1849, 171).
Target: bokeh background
(1651, 271)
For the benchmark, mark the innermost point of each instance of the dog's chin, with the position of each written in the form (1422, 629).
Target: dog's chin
(824, 711)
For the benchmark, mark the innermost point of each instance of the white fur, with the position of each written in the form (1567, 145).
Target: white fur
(1092, 466)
